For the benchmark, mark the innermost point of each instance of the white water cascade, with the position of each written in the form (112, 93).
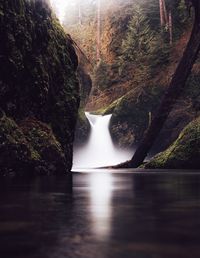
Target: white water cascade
(100, 150)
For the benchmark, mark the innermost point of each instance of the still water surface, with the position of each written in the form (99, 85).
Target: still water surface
(101, 215)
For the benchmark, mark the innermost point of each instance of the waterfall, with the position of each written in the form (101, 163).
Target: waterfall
(99, 150)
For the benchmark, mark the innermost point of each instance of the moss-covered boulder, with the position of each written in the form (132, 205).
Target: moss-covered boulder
(38, 70)
(45, 146)
(131, 115)
(16, 155)
(184, 153)
(29, 148)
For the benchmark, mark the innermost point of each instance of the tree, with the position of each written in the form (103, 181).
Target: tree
(170, 28)
(174, 90)
(152, 11)
(166, 19)
(137, 48)
(137, 44)
(98, 29)
(161, 13)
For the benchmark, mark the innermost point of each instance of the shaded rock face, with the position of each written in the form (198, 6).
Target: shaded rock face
(85, 82)
(184, 153)
(82, 129)
(38, 78)
(83, 126)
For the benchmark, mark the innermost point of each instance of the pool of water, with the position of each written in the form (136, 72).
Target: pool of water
(101, 215)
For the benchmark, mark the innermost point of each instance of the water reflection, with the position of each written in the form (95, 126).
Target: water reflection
(107, 215)
(101, 186)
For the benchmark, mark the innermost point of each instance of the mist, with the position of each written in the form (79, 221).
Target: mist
(99, 151)
(69, 9)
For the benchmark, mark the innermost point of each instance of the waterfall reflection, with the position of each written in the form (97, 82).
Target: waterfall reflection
(101, 187)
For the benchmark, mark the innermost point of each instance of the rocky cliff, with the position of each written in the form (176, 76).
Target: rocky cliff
(183, 153)
(39, 91)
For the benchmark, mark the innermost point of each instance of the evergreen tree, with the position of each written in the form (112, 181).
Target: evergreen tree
(137, 44)
(174, 90)
(152, 11)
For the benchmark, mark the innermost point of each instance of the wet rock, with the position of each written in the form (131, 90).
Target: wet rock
(184, 153)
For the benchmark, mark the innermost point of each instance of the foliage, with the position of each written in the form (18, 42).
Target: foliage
(183, 153)
(160, 55)
(144, 49)
(29, 148)
(84, 36)
(101, 77)
(137, 44)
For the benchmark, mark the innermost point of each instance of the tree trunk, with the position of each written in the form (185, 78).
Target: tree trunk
(165, 13)
(98, 29)
(161, 13)
(170, 28)
(176, 86)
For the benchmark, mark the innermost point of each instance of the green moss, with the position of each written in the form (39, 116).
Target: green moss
(15, 152)
(35, 156)
(183, 153)
(38, 74)
(10, 131)
(39, 134)
(11, 134)
(109, 109)
(29, 148)
(131, 115)
(42, 140)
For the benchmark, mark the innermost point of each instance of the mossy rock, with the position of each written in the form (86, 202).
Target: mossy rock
(109, 109)
(29, 149)
(184, 153)
(131, 115)
(42, 140)
(16, 155)
(38, 70)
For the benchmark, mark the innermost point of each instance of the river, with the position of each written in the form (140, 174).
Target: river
(101, 215)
